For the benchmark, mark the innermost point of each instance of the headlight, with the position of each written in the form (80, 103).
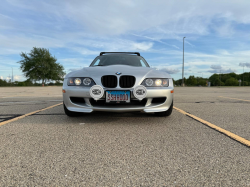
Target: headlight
(149, 82)
(158, 82)
(165, 82)
(153, 82)
(71, 81)
(86, 81)
(80, 81)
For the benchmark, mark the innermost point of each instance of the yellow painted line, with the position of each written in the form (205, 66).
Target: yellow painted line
(227, 133)
(235, 98)
(25, 115)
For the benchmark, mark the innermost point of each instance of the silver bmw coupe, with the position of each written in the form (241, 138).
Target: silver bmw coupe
(118, 82)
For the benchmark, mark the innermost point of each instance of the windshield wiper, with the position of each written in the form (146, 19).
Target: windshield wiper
(99, 65)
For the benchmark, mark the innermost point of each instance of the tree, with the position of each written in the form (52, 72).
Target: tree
(202, 82)
(39, 64)
(177, 82)
(234, 75)
(214, 79)
(3, 82)
(245, 83)
(232, 82)
(224, 77)
(191, 81)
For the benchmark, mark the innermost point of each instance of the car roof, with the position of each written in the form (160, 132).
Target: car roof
(119, 53)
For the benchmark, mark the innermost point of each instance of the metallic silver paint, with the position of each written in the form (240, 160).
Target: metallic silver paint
(97, 72)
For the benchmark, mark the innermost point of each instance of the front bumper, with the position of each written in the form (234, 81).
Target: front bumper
(87, 107)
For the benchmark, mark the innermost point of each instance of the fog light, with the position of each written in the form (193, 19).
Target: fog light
(140, 92)
(96, 92)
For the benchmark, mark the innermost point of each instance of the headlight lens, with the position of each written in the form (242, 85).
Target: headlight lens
(80, 81)
(86, 81)
(149, 82)
(158, 82)
(71, 81)
(154, 82)
(165, 82)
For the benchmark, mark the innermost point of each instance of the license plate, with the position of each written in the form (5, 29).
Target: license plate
(118, 96)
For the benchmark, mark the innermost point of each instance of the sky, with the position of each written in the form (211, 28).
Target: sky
(76, 31)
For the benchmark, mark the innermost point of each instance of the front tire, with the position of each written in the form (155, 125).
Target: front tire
(70, 113)
(165, 113)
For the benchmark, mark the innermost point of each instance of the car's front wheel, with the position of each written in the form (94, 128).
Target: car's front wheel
(165, 113)
(70, 113)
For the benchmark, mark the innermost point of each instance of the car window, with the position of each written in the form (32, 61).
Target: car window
(97, 62)
(131, 60)
(143, 64)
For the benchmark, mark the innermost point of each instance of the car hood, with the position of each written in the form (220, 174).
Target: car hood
(139, 72)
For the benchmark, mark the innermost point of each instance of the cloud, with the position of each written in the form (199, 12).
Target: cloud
(175, 47)
(156, 40)
(216, 67)
(222, 70)
(76, 62)
(175, 17)
(168, 18)
(170, 70)
(75, 32)
(142, 46)
(242, 64)
(189, 43)
(18, 77)
(225, 29)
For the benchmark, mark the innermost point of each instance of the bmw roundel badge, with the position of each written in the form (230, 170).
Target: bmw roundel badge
(118, 73)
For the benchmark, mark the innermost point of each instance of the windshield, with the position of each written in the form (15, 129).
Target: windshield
(130, 60)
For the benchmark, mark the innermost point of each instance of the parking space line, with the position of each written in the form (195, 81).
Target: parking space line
(25, 115)
(234, 98)
(227, 133)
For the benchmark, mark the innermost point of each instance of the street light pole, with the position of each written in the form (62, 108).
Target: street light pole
(183, 64)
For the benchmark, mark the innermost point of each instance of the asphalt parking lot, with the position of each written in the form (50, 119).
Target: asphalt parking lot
(47, 148)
